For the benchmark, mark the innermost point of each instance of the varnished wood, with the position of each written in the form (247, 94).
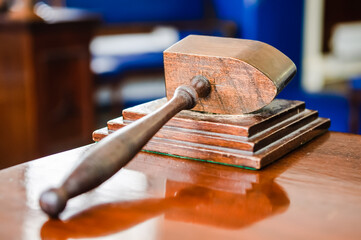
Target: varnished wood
(230, 155)
(110, 155)
(272, 132)
(246, 125)
(245, 75)
(223, 139)
(118, 149)
(23, 11)
(45, 86)
(312, 193)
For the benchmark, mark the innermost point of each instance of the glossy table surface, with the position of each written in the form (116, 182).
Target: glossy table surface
(311, 193)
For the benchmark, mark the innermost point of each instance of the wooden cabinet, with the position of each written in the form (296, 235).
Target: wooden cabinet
(45, 87)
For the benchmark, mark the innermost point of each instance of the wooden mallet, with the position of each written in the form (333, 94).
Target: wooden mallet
(207, 74)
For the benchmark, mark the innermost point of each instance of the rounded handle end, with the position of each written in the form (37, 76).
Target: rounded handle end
(201, 85)
(53, 202)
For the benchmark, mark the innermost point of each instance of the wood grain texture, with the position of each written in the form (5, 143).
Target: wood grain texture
(251, 144)
(312, 193)
(245, 75)
(246, 125)
(117, 149)
(45, 81)
(248, 155)
(281, 127)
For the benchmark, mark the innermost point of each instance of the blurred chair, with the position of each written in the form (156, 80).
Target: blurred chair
(345, 44)
(135, 33)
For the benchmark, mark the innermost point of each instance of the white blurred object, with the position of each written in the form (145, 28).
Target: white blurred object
(339, 69)
(312, 62)
(138, 90)
(346, 41)
(59, 14)
(134, 89)
(344, 60)
(137, 43)
(103, 64)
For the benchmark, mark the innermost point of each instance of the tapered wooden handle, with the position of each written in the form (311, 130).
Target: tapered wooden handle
(112, 153)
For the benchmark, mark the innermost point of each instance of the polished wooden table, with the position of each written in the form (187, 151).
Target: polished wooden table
(311, 193)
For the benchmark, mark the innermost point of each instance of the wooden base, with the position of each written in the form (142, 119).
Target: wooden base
(250, 140)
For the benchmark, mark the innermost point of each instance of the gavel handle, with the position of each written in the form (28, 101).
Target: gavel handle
(113, 152)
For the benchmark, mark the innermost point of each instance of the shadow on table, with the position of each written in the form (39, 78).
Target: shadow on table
(183, 202)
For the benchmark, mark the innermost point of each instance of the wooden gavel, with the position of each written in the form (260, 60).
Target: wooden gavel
(207, 74)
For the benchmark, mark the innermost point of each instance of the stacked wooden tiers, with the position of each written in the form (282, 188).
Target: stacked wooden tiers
(250, 140)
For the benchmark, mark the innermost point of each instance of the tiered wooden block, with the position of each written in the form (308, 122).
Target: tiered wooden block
(250, 140)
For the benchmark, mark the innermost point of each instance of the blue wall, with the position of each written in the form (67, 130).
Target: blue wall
(276, 22)
(115, 11)
(280, 24)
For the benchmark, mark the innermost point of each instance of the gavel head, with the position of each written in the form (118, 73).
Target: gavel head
(245, 75)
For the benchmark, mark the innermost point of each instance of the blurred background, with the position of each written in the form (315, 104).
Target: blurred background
(69, 66)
